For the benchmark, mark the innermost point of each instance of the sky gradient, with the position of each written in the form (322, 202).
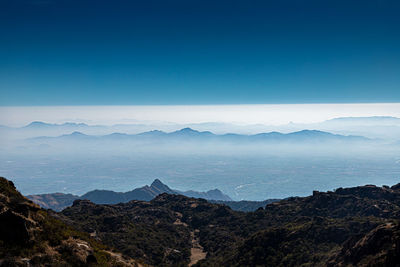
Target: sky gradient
(59, 52)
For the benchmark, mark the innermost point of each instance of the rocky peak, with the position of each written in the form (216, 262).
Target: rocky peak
(158, 184)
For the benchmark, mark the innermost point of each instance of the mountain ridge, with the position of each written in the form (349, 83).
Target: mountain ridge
(370, 127)
(188, 134)
(59, 201)
(353, 118)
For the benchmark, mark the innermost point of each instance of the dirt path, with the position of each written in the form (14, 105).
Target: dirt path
(197, 251)
(120, 259)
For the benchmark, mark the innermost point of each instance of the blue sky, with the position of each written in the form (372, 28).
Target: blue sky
(59, 52)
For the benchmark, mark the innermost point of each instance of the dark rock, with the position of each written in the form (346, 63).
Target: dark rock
(91, 259)
(13, 228)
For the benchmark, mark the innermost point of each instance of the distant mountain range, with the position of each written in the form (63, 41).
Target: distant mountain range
(376, 127)
(39, 125)
(188, 134)
(373, 120)
(59, 201)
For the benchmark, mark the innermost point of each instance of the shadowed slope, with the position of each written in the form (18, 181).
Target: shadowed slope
(29, 236)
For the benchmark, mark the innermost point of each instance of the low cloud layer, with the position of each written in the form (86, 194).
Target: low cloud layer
(238, 114)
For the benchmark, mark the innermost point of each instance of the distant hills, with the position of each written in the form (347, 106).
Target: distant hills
(188, 134)
(382, 127)
(59, 201)
(371, 127)
(40, 124)
(373, 120)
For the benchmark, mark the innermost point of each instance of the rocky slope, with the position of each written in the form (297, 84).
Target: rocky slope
(54, 201)
(30, 237)
(379, 247)
(333, 228)
(347, 227)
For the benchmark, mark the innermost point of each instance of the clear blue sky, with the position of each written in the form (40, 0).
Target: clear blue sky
(63, 52)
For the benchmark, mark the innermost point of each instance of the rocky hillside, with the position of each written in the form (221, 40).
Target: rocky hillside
(379, 247)
(349, 227)
(29, 236)
(54, 201)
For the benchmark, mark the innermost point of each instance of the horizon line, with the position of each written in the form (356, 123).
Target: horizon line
(241, 114)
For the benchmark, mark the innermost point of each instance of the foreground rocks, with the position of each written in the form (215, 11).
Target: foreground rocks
(30, 237)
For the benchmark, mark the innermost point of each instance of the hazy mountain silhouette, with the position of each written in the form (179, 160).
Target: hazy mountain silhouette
(40, 124)
(372, 127)
(188, 134)
(59, 201)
